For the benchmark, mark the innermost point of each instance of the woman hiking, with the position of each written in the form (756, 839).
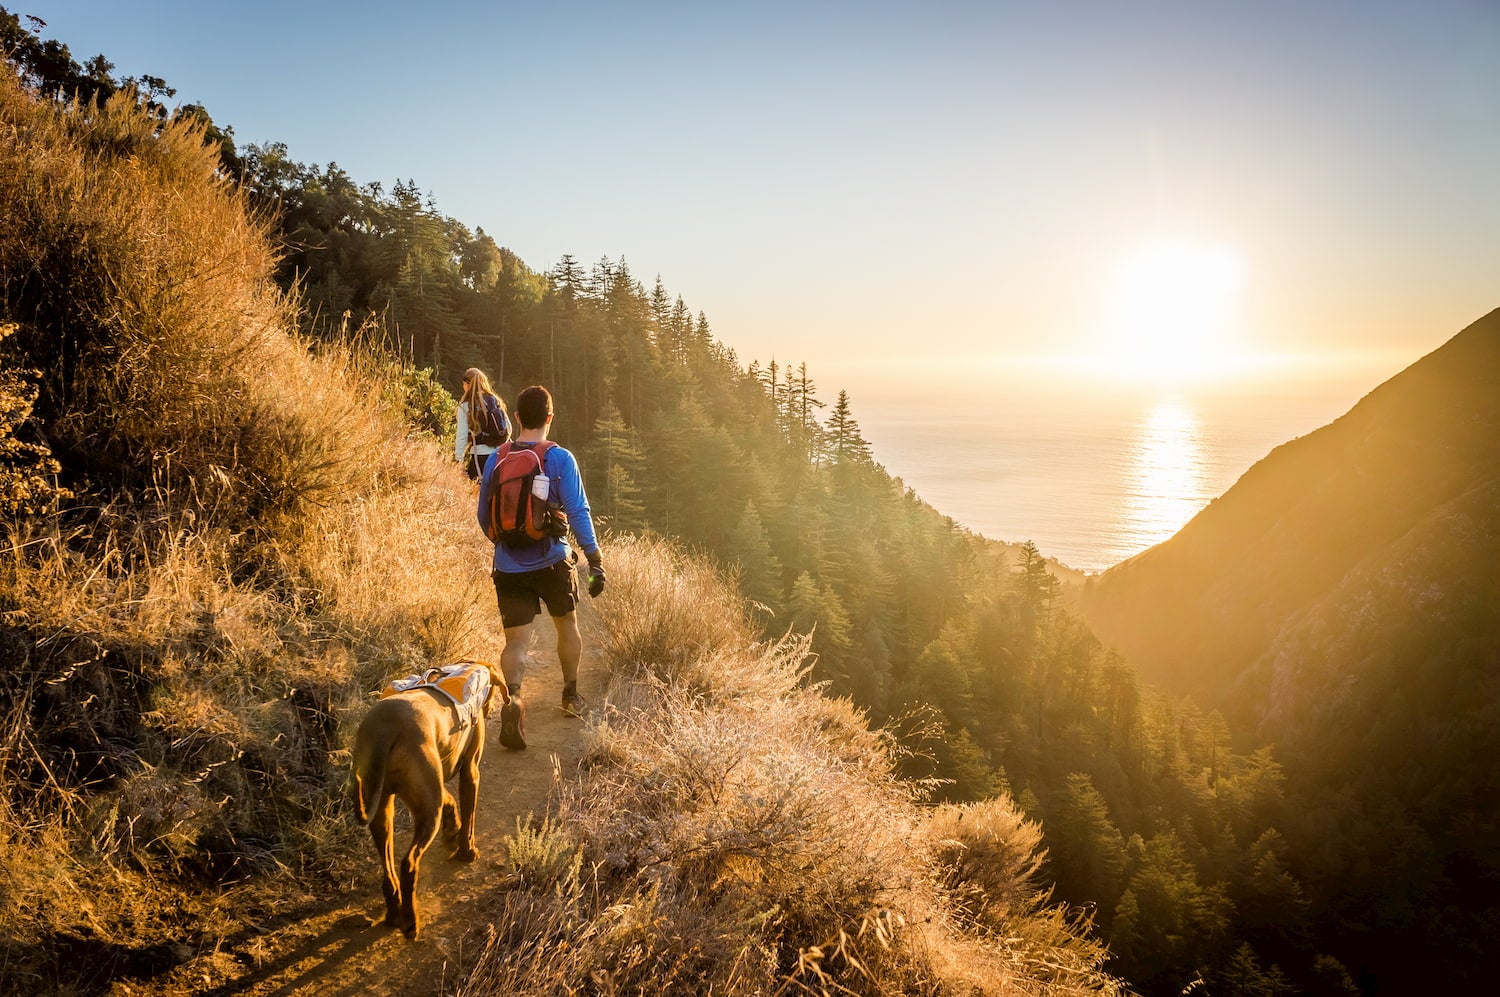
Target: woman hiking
(483, 424)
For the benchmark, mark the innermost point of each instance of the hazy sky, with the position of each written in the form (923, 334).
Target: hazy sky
(864, 184)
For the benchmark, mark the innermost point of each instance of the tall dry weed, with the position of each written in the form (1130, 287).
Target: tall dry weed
(676, 619)
(140, 285)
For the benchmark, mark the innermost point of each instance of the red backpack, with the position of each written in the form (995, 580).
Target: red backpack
(517, 516)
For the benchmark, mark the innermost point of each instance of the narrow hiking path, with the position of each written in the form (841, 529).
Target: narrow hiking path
(334, 945)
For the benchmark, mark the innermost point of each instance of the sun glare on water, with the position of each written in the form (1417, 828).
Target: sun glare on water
(1173, 313)
(1167, 483)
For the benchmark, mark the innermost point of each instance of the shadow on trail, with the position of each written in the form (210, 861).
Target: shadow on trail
(319, 959)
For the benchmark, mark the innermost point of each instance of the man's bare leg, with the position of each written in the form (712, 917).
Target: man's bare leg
(569, 652)
(513, 658)
(569, 645)
(513, 667)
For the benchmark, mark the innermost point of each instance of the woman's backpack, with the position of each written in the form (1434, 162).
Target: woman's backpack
(493, 429)
(517, 515)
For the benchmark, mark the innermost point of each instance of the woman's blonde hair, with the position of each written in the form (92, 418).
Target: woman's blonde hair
(476, 387)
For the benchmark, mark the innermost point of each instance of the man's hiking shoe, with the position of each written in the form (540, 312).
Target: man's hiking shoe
(573, 704)
(513, 725)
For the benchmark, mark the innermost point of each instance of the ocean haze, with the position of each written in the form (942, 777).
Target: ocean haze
(1092, 474)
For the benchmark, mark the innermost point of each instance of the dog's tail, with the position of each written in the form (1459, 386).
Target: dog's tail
(367, 782)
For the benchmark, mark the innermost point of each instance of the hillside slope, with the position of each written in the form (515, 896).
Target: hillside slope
(1195, 612)
(1342, 603)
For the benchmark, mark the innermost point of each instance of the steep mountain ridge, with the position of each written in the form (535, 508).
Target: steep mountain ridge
(1406, 643)
(1342, 603)
(1301, 526)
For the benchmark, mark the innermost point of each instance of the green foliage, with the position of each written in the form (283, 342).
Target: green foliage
(1085, 851)
(615, 464)
(1166, 919)
(543, 852)
(425, 402)
(820, 612)
(760, 569)
(967, 767)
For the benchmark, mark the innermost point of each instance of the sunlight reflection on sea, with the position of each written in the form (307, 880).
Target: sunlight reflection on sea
(1092, 477)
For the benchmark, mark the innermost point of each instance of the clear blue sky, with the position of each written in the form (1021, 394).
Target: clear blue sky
(855, 184)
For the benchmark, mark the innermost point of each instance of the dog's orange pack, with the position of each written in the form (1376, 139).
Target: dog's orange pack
(464, 683)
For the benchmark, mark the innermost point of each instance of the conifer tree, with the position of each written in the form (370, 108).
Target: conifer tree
(618, 463)
(568, 277)
(423, 295)
(1037, 586)
(680, 323)
(870, 669)
(760, 570)
(967, 766)
(845, 443)
(820, 612)
(940, 678)
(1166, 920)
(1085, 852)
(802, 404)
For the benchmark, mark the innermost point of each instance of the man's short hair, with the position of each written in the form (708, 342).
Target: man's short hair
(533, 405)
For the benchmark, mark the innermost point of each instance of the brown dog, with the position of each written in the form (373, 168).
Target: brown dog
(409, 744)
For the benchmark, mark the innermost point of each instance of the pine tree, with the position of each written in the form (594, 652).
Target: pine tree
(940, 678)
(870, 669)
(844, 441)
(1038, 587)
(967, 765)
(1085, 852)
(802, 404)
(425, 290)
(750, 547)
(820, 612)
(614, 459)
(1166, 919)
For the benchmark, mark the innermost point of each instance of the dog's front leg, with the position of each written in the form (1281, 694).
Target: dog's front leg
(468, 796)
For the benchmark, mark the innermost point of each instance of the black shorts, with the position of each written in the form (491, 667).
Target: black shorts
(521, 594)
(474, 465)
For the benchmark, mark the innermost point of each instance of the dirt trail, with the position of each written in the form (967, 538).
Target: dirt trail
(336, 947)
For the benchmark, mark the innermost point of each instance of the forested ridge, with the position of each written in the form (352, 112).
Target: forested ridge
(1184, 848)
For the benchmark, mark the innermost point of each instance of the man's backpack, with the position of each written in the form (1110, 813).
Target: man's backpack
(493, 429)
(517, 516)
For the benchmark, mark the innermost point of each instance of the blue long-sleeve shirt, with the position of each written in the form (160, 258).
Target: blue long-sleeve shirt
(565, 488)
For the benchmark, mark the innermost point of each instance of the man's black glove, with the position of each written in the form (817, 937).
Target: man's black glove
(596, 575)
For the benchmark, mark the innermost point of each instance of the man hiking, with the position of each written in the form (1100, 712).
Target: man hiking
(530, 494)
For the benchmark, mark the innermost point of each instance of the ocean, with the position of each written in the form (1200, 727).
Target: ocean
(1091, 475)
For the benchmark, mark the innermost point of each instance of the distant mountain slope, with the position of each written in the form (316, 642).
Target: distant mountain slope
(1330, 530)
(1342, 602)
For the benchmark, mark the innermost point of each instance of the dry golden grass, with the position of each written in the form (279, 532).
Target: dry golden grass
(258, 539)
(741, 834)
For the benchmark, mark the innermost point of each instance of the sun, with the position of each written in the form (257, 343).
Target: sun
(1173, 309)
